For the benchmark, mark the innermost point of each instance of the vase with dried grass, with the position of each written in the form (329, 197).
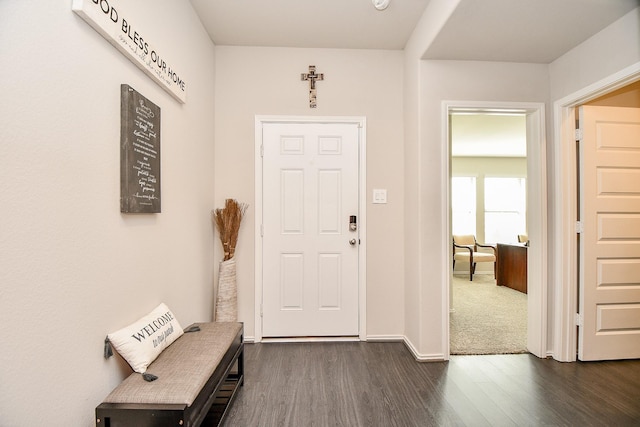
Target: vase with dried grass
(228, 220)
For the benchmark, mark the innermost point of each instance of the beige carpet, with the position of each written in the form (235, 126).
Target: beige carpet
(487, 319)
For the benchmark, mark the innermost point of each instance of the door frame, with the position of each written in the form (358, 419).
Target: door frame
(361, 122)
(565, 213)
(536, 214)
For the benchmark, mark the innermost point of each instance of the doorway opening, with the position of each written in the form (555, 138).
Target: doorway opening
(488, 300)
(535, 184)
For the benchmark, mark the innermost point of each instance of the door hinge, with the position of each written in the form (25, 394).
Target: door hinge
(261, 230)
(262, 150)
(579, 320)
(261, 315)
(578, 134)
(579, 227)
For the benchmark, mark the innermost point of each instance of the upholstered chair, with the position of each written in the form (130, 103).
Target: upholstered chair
(465, 248)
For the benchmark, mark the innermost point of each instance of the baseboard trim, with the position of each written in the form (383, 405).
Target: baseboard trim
(310, 339)
(385, 338)
(419, 357)
(422, 357)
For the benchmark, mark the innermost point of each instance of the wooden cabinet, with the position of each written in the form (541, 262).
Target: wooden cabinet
(511, 268)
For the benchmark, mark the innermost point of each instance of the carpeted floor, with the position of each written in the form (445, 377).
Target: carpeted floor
(487, 319)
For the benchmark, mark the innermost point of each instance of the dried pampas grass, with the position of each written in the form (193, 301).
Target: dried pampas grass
(228, 222)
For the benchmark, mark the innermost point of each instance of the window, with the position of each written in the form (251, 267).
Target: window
(463, 204)
(504, 209)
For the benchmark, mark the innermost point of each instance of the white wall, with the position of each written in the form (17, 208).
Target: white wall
(416, 327)
(453, 81)
(604, 54)
(266, 81)
(73, 267)
(613, 49)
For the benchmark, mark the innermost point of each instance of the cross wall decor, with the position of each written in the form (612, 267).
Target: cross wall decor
(311, 76)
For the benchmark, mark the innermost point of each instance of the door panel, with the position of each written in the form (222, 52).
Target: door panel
(310, 270)
(610, 242)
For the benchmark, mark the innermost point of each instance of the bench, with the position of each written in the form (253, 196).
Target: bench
(195, 382)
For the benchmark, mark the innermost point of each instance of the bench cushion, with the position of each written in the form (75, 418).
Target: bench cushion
(182, 369)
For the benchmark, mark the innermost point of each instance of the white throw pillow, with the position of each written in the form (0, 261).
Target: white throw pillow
(142, 341)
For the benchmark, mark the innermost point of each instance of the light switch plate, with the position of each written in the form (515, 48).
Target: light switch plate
(379, 195)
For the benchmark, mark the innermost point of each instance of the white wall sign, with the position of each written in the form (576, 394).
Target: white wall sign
(114, 26)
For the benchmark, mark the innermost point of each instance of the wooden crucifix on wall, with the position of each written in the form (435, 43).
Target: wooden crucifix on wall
(311, 76)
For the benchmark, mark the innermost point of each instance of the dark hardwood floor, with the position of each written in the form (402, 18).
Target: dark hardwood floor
(380, 384)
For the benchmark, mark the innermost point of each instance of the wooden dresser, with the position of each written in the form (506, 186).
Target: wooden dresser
(511, 268)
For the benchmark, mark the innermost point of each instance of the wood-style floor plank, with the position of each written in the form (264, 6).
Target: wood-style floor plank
(380, 384)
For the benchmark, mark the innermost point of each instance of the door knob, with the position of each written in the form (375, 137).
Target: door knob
(352, 242)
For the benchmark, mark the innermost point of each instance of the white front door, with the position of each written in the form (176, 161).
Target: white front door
(610, 241)
(310, 254)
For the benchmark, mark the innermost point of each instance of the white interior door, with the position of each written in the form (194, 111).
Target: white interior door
(610, 241)
(310, 254)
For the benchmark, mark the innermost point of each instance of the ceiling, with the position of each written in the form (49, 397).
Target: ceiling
(535, 31)
(488, 135)
(353, 24)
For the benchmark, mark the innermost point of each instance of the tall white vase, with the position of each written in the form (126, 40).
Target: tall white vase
(227, 296)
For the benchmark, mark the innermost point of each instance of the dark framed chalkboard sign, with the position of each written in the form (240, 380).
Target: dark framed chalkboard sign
(139, 153)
